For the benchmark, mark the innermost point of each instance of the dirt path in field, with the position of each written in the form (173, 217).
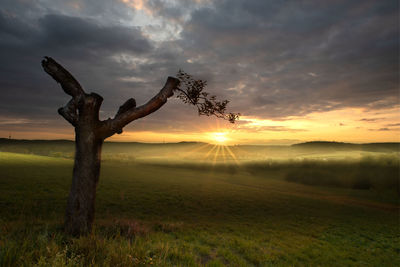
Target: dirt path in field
(323, 195)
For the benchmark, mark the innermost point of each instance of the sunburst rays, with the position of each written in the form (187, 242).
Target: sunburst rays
(217, 151)
(215, 154)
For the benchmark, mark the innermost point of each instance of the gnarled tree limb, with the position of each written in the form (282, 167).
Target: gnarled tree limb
(128, 112)
(129, 104)
(69, 112)
(68, 83)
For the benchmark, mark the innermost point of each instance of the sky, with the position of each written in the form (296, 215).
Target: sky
(296, 70)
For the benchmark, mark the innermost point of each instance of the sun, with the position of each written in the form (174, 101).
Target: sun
(219, 137)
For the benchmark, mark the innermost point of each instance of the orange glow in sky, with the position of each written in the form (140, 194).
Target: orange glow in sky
(219, 137)
(355, 125)
(345, 125)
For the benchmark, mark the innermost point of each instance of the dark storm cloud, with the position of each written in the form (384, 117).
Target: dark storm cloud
(76, 33)
(272, 59)
(83, 45)
(349, 48)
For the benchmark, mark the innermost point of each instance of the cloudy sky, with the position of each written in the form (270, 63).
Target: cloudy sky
(295, 70)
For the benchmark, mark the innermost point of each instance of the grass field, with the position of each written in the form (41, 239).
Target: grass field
(158, 210)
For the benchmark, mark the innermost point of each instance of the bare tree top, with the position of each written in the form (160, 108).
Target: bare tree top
(190, 91)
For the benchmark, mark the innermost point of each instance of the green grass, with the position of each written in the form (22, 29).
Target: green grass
(193, 215)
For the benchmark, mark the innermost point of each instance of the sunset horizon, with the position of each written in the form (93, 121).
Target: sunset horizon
(255, 131)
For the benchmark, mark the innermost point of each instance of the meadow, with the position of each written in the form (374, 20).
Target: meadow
(196, 204)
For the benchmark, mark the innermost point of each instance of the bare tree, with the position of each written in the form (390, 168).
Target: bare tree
(82, 111)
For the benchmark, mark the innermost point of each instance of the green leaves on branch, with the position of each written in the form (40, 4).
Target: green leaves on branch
(191, 92)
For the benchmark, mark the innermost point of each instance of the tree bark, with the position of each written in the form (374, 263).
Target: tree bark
(80, 210)
(79, 214)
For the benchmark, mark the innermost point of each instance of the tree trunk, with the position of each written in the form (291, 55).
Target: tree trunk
(81, 201)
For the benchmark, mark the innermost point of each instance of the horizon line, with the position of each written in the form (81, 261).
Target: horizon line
(201, 142)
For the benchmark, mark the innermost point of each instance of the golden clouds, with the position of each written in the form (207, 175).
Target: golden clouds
(138, 5)
(355, 125)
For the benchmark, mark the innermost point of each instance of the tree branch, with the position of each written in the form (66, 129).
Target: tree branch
(190, 91)
(69, 112)
(68, 83)
(128, 112)
(129, 104)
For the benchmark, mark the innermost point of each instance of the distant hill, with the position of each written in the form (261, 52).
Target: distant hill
(311, 144)
(7, 141)
(327, 145)
(66, 148)
(25, 141)
(201, 152)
